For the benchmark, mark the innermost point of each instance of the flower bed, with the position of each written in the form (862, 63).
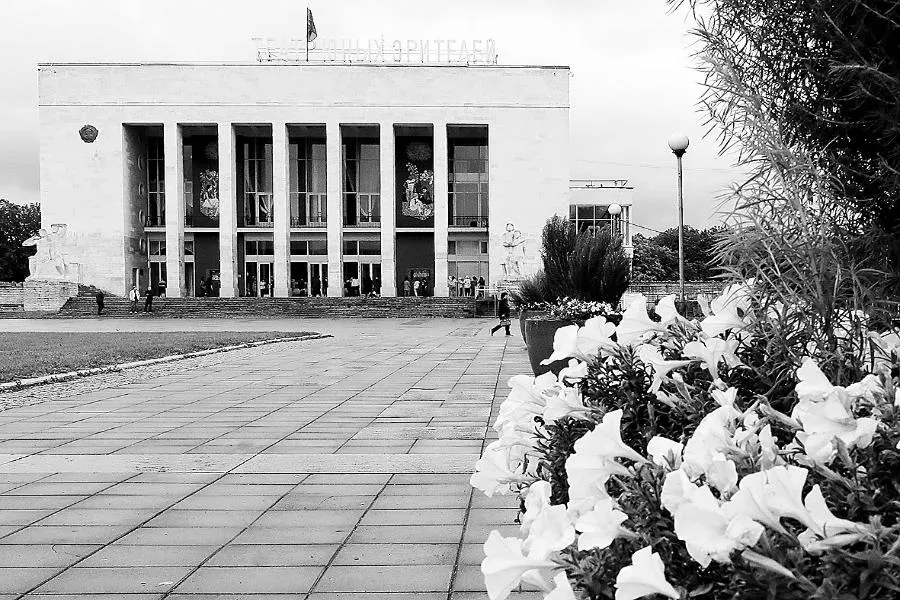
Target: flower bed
(661, 463)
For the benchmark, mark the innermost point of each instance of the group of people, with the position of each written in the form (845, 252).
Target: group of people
(366, 287)
(415, 287)
(317, 288)
(466, 286)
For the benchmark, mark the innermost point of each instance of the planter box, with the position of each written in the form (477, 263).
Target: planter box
(524, 315)
(539, 338)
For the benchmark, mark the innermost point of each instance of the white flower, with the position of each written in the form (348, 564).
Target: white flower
(636, 322)
(869, 388)
(825, 420)
(587, 475)
(563, 590)
(826, 523)
(722, 473)
(551, 531)
(677, 490)
(710, 352)
(726, 311)
(768, 496)
(650, 356)
(525, 400)
(504, 565)
(666, 310)
(492, 471)
(595, 336)
(606, 440)
(576, 371)
(813, 384)
(643, 577)
(600, 526)
(711, 534)
(713, 435)
(536, 498)
(727, 397)
(663, 451)
(565, 344)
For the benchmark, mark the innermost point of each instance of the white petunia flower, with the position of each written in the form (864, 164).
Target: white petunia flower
(493, 473)
(576, 371)
(643, 577)
(504, 565)
(536, 498)
(722, 473)
(551, 531)
(677, 489)
(710, 352)
(563, 589)
(666, 310)
(600, 526)
(636, 323)
(651, 357)
(664, 451)
(606, 440)
(709, 533)
(565, 344)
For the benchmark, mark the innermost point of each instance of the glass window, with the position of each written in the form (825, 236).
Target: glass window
(266, 247)
(468, 178)
(351, 248)
(370, 247)
(250, 247)
(189, 247)
(298, 247)
(258, 186)
(484, 247)
(451, 247)
(157, 248)
(318, 247)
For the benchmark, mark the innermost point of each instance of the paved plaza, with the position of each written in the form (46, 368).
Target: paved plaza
(332, 469)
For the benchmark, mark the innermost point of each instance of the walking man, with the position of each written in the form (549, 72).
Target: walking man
(134, 296)
(99, 302)
(503, 314)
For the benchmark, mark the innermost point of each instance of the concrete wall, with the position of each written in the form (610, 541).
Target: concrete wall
(11, 294)
(84, 185)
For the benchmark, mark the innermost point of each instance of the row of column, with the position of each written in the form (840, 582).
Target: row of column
(229, 269)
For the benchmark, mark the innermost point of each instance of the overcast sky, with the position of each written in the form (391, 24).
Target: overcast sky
(632, 85)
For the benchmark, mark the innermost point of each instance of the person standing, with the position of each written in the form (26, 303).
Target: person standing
(406, 286)
(503, 315)
(481, 287)
(134, 296)
(99, 302)
(148, 300)
(416, 288)
(316, 286)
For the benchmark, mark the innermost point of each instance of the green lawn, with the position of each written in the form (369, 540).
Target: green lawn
(33, 354)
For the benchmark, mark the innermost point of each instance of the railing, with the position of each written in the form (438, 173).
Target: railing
(155, 221)
(476, 221)
(190, 221)
(366, 224)
(306, 222)
(250, 221)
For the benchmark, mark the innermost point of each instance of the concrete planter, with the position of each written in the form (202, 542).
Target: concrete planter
(524, 315)
(539, 339)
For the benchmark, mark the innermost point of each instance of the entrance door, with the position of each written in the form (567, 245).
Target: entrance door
(371, 276)
(266, 283)
(318, 279)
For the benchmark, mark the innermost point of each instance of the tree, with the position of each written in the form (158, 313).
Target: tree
(17, 224)
(812, 85)
(656, 258)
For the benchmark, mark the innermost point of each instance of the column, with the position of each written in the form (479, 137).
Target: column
(282, 228)
(441, 214)
(227, 213)
(174, 165)
(388, 212)
(335, 212)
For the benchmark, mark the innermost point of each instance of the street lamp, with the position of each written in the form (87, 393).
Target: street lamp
(614, 210)
(679, 143)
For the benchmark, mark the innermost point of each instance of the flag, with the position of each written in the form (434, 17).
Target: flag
(310, 26)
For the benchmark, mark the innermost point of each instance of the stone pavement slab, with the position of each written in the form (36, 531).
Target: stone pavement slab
(332, 469)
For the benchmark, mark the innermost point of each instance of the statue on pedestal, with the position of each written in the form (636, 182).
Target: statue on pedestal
(50, 262)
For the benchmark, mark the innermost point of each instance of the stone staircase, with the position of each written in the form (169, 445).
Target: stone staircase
(219, 308)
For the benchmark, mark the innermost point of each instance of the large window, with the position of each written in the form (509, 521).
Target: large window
(468, 202)
(308, 183)
(589, 217)
(362, 183)
(258, 188)
(156, 183)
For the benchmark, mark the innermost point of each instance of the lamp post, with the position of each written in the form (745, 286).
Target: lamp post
(678, 143)
(614, 210)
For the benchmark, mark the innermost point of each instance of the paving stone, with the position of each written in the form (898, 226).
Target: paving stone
(397, 554)
(274, 555)
(17, 580)
(115, 580)
(416, 534)
(293, 535)
(245, 580)
(123, 555)
(43, 555)
(407, 578)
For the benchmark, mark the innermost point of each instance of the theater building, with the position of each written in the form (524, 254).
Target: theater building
(285, 180)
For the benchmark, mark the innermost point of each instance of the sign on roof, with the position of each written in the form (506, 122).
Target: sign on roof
(377, 51)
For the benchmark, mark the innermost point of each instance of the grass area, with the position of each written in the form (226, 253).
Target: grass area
(33, 354)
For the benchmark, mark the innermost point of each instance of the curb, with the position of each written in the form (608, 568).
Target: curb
(59, 377)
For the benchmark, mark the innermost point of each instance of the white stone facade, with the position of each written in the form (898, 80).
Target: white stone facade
(97, 189)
